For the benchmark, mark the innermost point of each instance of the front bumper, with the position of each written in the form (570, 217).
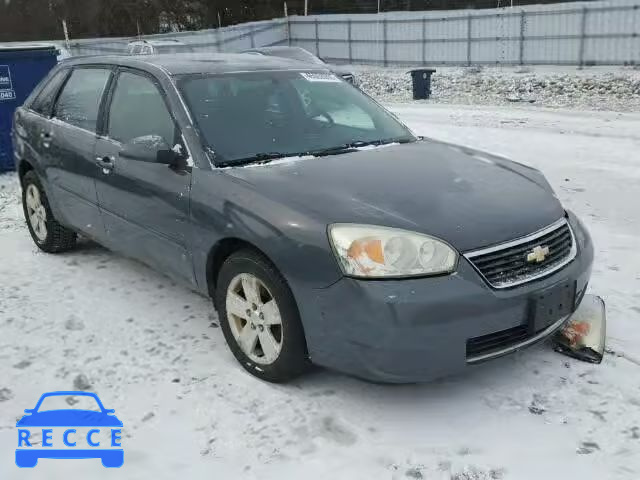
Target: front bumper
(416, 330)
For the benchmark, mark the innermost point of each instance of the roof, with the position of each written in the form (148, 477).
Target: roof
(192, 63)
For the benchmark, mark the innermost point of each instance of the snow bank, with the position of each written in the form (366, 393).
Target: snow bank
(611, 88)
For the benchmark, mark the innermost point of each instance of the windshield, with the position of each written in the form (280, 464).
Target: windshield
(242, 115)
(76, 402)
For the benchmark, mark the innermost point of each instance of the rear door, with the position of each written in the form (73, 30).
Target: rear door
(33, 122)
(144, 206)
(70, 140)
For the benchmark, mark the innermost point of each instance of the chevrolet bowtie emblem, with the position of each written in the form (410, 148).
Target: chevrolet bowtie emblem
(538, 254)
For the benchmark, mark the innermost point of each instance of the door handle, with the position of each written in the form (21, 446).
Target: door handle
(106, 163)
(46, 138)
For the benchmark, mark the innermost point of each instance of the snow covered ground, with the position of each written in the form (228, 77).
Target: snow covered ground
(593, 88)
(153, 350)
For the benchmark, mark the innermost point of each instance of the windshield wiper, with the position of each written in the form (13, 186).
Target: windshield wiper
(353, 146)
(266, 157)
(259, 158)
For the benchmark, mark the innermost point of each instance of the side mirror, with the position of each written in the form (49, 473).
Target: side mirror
(149, 148)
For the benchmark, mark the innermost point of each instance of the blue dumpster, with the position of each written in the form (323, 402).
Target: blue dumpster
(21, 69)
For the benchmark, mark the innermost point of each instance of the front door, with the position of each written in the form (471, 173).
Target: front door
(69, 139)
(144, 206)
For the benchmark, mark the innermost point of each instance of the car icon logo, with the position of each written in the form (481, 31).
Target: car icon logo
(69, 433)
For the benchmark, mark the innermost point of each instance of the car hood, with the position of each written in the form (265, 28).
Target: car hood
(465, 197)
(69, 418)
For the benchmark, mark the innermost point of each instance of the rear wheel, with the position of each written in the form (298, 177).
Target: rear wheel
(259, 318)
(49, 235)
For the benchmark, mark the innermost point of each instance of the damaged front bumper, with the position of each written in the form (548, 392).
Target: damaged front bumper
(416, 330)
(583, 336)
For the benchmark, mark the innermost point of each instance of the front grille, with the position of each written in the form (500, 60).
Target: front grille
(508, 265)
(496, 341)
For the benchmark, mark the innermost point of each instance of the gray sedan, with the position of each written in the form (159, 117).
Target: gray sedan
(323, 229)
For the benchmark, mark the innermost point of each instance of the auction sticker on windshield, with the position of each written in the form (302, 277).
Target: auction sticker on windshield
(320, 77)
(54, 430)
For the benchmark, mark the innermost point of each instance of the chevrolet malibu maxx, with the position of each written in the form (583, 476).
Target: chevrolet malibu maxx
(323, 229)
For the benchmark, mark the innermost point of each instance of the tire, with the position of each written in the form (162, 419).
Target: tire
(291, 360)
(54, 238)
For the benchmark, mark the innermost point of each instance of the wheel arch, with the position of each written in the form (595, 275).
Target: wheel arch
(23, 167)
(226, 247)
(220, 251)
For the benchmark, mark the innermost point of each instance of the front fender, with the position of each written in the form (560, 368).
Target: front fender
(224, 207)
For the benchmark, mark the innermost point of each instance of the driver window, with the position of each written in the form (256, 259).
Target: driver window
(138, 110)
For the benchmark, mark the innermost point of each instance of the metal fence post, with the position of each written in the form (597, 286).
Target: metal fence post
(251, 36)
(468, 40)
(424, 40)
(317, 39)
(384, 41)
(522, 25)
(288, 29)
(349, 40)
(583, 29)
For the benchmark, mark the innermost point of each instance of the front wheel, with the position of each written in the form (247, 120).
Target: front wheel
(46, 232)
(259, 318)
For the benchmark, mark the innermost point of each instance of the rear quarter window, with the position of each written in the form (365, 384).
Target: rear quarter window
(43, 103)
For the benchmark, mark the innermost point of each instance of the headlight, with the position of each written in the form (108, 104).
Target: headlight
(370, 251)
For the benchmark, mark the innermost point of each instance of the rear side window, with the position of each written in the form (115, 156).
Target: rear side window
(138, 109)
(44, 101)
(79, 102)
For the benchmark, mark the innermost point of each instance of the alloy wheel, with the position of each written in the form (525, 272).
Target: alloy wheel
(254, 319)
(36, 212)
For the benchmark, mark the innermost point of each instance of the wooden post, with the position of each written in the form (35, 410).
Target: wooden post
(66, 33)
